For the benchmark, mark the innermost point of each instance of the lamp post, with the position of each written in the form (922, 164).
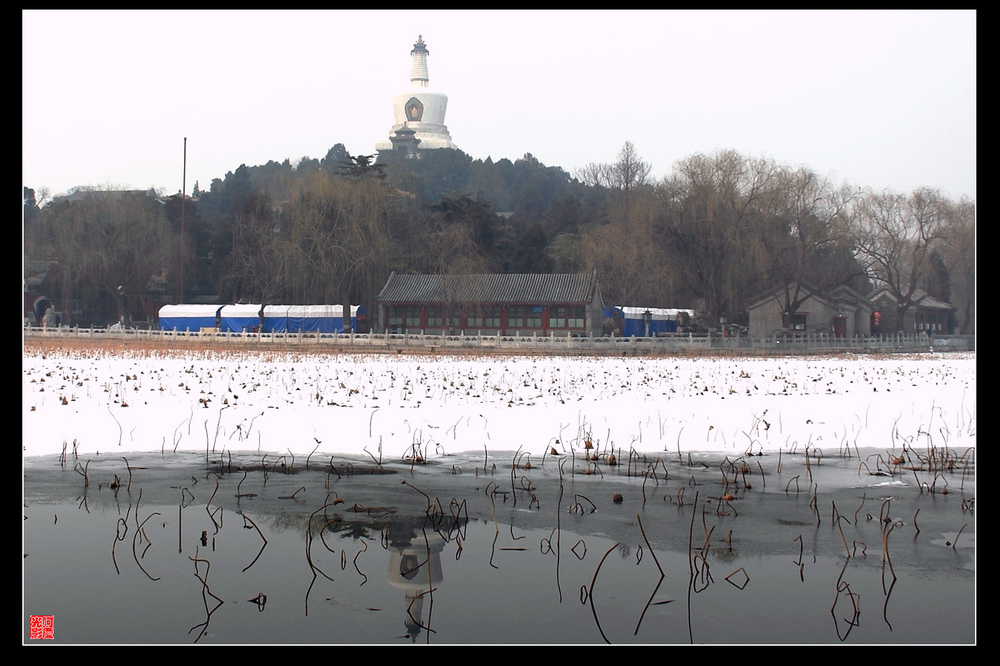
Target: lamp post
(647, 319)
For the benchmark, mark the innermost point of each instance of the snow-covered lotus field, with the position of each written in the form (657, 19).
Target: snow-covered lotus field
(428, 406)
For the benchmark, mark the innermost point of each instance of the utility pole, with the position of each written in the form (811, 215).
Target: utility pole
(183, 197)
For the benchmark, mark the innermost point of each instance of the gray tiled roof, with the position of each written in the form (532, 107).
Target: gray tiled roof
(537, 289)
(841, 293)
(919, 296)
(934, 304)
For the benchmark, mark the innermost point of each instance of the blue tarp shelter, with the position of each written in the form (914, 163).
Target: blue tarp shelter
(239, 318)
(308, 318)
(664, 320)
(288, 318)
(188, 317)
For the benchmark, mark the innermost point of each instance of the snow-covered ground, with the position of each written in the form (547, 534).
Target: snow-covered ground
(429, 406)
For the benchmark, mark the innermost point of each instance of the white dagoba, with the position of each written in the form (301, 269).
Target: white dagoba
(420, 109)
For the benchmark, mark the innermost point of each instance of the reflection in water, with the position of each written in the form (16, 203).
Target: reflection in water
(299, 566)
(414, 568)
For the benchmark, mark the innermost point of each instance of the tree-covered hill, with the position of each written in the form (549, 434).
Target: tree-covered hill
(721, 230)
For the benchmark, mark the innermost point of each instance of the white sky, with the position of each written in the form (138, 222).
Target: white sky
(882, 99)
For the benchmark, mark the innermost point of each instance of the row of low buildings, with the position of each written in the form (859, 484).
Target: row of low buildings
(844, 312)
(570, 304)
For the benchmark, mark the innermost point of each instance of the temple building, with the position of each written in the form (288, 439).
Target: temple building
(418, 112)
(492, 304)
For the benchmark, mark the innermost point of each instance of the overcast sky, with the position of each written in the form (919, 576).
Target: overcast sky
(882, 99)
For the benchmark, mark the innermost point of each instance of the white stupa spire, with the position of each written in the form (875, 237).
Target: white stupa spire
(418, 74)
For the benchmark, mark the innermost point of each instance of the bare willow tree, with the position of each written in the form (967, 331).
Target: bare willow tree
(105, 245)
(257, 266)
(960, 258)
(806, 237)
(625, 252)
(331, 241)
(717, 212)
(313, 242)
(366, 247)
(895, 237)
(629, 254)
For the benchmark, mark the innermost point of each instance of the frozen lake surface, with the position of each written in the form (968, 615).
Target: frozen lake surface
(807, 500)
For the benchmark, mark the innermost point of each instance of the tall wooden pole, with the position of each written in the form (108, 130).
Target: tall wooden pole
(183, 197)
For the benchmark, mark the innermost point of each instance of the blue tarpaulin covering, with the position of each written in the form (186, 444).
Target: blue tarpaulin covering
(241, 318)
(188, 317)
(308, 318)
(664, 320)
(288, 318)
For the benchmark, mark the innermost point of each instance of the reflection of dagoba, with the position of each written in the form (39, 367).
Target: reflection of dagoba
(419, 112)
(414, 567)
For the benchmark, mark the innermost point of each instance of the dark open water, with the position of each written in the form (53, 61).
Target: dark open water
(469, 550)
